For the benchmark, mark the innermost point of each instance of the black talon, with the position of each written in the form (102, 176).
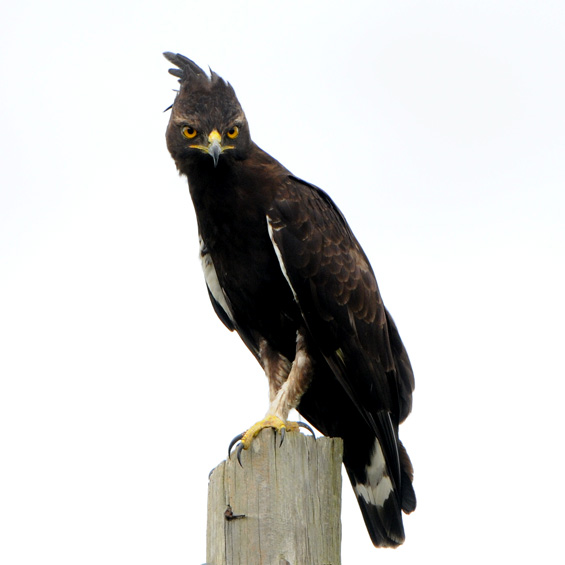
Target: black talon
(283, 435)
(306, 427)
(234, 441)
(238, 454)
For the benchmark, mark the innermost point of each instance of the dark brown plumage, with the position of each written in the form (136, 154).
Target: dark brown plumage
(285, 271)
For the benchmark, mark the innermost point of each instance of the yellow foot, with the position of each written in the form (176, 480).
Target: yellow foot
(269, 422)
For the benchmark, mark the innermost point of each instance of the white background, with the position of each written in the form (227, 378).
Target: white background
(439, 129)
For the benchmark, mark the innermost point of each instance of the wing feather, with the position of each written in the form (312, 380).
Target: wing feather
(340, 302)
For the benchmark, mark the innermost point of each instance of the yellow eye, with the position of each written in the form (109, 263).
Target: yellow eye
(189, 132)
(233, 132)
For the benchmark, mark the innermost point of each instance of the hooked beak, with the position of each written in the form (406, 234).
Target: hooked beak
(214, 146)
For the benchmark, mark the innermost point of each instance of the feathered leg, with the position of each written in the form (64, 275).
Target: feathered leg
(287, 383)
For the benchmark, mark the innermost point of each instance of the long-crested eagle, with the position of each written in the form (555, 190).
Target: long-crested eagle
(285, 271)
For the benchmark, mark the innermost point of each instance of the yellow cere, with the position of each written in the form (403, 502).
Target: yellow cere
(214, 136)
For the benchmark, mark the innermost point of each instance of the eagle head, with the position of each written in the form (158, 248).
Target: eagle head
(207, 122)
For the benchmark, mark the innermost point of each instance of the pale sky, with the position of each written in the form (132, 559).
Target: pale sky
(439, 130)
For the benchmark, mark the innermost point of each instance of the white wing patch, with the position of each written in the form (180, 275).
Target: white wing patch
(212, 281)
(279, 256)
(378, 485)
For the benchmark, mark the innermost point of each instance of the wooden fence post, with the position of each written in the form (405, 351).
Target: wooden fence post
(282, 508)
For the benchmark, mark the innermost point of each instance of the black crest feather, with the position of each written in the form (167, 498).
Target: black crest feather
(186, 67)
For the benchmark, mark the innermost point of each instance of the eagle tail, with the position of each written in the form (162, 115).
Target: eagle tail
(384, 523)
(382, 484)
(381, 502)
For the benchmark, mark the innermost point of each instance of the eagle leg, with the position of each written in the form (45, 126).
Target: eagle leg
(247, 437)
(256, 428)
(273, 422)
(268, 422)
(287, 384)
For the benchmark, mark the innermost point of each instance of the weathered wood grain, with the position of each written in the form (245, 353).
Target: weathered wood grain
(282, 508)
